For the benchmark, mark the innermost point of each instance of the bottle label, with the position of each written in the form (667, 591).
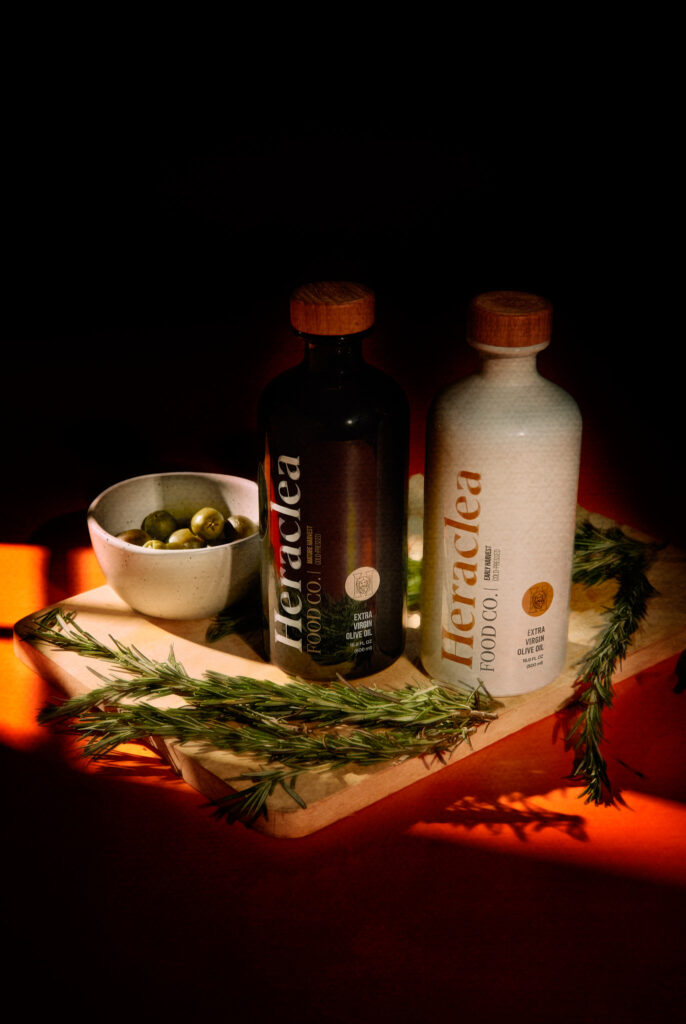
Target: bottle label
(537, 599)
(461, 543)
(284, 525)
(498, 625)
(362, 583)
(321, 576)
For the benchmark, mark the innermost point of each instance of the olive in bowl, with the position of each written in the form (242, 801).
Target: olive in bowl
(168, 581)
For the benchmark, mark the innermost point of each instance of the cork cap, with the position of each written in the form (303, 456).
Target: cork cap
(509, 320)
(332, 308)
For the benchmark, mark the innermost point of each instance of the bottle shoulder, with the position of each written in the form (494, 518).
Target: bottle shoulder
(348, 400)
(534, 402)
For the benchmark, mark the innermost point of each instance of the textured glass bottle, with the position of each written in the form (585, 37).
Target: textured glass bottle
(501, 479)
(333, 486)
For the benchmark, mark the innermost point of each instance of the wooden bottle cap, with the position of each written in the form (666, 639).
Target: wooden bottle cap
(332, 308)
(509, 320)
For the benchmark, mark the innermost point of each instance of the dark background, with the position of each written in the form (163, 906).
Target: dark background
(155, 232)
(161, 200)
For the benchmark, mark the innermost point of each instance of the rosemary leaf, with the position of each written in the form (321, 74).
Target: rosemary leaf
(287, 727)
(601, 555)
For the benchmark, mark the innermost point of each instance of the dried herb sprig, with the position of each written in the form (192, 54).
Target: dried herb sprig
(601, 555)
(282, 749)
(241, 697)
(296, 722)
(288, 728)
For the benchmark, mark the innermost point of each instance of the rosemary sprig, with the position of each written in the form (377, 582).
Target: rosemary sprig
(241, 697)
(601, 555)
(300, 726)
(288, 727)
(283, 750)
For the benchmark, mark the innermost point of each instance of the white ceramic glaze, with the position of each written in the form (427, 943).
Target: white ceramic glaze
(502, 471)
(175, 584)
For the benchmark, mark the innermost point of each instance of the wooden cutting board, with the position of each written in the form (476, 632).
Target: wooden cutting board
(332, 795)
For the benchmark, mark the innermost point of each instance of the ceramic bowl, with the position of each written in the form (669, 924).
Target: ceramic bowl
(192, 583)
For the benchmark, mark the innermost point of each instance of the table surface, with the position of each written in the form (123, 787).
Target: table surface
(488, 888)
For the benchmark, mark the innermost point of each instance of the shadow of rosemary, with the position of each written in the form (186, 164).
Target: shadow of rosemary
(118, 764)
(517, 814)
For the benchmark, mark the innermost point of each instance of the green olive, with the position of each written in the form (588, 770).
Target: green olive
(242, 525)
(184, 538)
(159, 525)
(208, 523)
(154, 544)
(137, 537)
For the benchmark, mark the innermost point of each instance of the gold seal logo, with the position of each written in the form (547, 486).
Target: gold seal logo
(537, 599)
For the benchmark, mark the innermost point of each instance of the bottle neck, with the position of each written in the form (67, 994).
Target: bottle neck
(509, 369)
(333, 355)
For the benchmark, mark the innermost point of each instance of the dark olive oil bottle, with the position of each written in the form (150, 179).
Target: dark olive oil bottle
(333, 496)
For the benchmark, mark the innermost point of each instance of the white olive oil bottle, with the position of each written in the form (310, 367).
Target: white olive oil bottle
(501, 480)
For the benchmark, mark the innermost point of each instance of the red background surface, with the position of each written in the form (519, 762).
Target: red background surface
(154, 239)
